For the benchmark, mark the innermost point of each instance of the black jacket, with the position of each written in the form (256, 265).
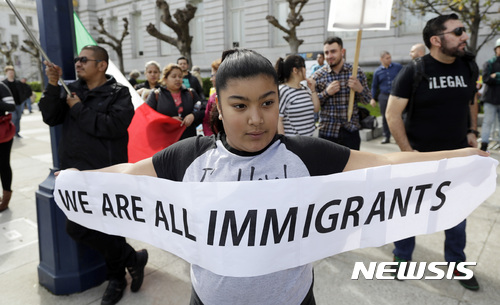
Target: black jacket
(166, 105)
(6, 100)
(145, 85)
(18, 90)
(492, 91)
(94, 131)
(195, 84)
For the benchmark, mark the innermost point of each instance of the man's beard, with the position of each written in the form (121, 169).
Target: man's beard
(335, 64)
(454, 52)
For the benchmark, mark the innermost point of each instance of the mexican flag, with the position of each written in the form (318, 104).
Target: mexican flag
(149, 131)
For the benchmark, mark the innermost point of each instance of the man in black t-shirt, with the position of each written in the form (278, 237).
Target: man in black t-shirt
(441, 114)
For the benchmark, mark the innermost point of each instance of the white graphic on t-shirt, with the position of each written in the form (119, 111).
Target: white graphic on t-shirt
(442, 82)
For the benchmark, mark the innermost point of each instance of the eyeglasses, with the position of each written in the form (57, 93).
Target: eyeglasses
(84, 59)
(457, 31)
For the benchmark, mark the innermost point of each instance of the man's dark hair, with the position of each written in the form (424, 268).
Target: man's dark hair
(334, 39)
(241, 64)
(435, 26)
(181, 58)
(100, 53)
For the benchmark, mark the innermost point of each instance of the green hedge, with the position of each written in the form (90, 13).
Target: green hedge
(373, 110)
(207, 84)
(36, 86)
(369, 79)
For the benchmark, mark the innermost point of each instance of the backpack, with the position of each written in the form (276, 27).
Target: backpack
(366, 120)
(419, 74)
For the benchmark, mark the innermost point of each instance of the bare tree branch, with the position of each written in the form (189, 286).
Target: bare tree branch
(115, 43)
(7, 51)
(293, 20)
(180, 26)
(35, 53)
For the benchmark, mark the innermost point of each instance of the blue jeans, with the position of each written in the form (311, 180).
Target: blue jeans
(454, 245)
(16, 117)
(27, 102)
(491, 112)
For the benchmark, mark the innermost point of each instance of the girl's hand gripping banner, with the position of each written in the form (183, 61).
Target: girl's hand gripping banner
(258, 227)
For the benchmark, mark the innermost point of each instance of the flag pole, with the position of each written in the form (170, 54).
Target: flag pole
(35, 42)
(354, 72)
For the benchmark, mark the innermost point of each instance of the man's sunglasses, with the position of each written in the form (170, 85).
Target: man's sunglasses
(457, 31)
(84, 59)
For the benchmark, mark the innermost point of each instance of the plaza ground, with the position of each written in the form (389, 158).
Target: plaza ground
(167, 277)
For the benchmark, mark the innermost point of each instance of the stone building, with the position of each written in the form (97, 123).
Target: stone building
(11, 30)
(223, 24)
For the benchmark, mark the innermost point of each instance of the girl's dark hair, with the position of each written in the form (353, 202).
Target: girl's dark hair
(285, 67)
(240, 64)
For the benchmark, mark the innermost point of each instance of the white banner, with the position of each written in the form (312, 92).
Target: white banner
(252, 228)
(356, 15)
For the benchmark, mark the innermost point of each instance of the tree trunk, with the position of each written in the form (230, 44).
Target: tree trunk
(294, 45)
(180, 26)
(40, 72)
(120, 59)
(474, 29)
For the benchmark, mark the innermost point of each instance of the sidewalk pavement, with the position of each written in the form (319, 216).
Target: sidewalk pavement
(167, 277)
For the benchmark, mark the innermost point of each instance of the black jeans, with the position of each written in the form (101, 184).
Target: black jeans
(346, 138)
(117, 253)
(5, 169)
(382, 100)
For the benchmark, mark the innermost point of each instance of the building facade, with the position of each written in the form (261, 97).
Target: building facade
(223, 24)
(219, 25)
(11, 30)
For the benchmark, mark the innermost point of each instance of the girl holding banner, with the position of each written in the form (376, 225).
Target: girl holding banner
(250, 149)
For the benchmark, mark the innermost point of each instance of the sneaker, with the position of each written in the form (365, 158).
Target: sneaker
(470, 284)
(137, 271)
(399, 261)
(386, 141)
(114, 291)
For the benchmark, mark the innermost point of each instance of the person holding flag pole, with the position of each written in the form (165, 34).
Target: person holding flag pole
(95, 119)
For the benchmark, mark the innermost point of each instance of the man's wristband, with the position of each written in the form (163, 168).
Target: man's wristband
(475, 132)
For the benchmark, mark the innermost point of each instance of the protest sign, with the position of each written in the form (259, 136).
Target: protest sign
(250, 228)
(358, 15)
